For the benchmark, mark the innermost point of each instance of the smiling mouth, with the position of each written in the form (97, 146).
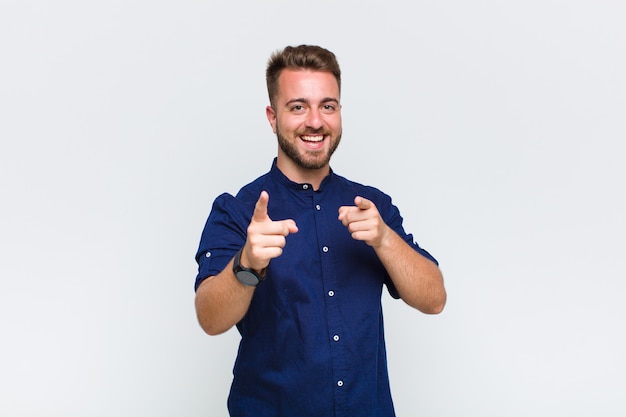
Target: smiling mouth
(309, 138)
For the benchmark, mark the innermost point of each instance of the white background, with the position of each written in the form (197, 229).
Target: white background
(497, 126)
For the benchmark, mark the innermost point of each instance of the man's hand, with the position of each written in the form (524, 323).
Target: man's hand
(364, 222)
(266, 238)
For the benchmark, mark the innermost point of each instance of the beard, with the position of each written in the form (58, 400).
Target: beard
(307, 160)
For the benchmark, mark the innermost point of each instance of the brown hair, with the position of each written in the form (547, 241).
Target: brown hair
(299, 57)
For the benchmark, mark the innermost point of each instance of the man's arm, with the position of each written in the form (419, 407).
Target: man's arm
(221, 300)
(417, 279)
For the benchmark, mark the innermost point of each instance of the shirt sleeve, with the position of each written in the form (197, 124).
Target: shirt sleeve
(223, 235)
(391, 215)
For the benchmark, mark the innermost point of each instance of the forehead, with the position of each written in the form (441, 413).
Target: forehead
(308, 84)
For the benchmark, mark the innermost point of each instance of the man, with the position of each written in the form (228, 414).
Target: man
(297, 261)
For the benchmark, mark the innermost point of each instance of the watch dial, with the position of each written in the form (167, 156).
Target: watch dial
(248, 278)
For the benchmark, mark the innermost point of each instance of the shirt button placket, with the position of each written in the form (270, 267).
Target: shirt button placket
(331, 294)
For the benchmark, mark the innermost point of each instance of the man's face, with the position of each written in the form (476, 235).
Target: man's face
(307, 117)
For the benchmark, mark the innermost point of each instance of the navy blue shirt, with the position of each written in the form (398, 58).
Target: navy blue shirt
(312, 341)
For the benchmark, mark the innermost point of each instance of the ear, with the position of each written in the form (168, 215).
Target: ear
(270, 113)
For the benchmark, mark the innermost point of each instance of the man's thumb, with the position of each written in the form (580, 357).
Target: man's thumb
(362, 203)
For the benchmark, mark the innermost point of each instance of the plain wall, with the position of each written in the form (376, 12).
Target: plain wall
(497, 126)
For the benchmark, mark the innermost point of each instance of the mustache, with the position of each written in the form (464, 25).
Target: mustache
(320, 131)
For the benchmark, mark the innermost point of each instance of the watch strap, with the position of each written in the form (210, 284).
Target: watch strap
(246, 276)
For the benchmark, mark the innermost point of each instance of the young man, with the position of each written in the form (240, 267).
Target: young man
(297, 261)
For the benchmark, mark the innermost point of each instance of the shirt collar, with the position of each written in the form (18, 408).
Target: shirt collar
(282, 179)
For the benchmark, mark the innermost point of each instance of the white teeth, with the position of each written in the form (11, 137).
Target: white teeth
(312, 138)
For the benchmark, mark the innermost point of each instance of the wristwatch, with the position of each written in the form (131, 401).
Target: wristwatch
(245, 275)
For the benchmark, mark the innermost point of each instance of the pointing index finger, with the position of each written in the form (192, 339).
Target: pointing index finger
(260, 209)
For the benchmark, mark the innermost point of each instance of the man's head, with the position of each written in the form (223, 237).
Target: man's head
(305, 112)
(300, 57)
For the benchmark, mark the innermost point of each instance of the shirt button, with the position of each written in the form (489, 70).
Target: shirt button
(325, 249)
(305, 187)
(208, 254)
(336, 338)
(340, 383)
(318, 207)
(331, 293)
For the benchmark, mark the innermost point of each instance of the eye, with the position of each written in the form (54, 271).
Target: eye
(297, 108)
(329, 108)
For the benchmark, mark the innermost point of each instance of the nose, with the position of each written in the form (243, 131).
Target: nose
(314, 119)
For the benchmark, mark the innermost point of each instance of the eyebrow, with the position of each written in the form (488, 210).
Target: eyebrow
(304, 100)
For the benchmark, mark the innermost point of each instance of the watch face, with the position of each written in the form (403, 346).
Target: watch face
(248, 278)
